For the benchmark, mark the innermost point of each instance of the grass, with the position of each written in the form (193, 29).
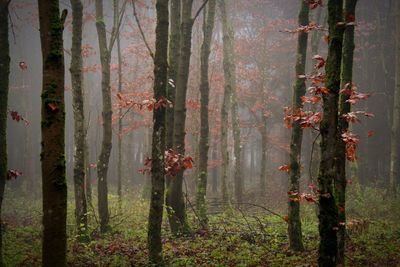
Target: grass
(249, 237)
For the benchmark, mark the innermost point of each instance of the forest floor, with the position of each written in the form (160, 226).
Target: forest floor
(248, 236)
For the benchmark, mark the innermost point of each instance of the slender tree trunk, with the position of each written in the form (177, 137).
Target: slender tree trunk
(159, 132)
(208, 25)
(102, 166)
(4, 86)
(395, 133)
(175, 200)
(79, 117)
(214, 184)
(299, 90)
(230, 87)
(119, 167)
(264, 139)
(343, 125)
(173, 56)
(54, 183)
(328, 214)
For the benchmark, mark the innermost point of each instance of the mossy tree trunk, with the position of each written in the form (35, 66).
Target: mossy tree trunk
(4, 87)
(119, 167)
(54, 183)
(343, 125)
(208, 25)
(106, 146)
(395, 132)
(299, 90)
(158, 138)
(175, 198)
(230, 87)
(79, 117)
(328, 215)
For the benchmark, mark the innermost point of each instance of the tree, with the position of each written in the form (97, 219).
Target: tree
(79, 117)
(343, 125)
(105, 58)
(208, 25)
(4, 84)
(328, 214)
(119, 167)
(175, 202)
(173, 56)
(395, 131)
(299, 90)
(159, 132)
(54, 183)
(230, 87)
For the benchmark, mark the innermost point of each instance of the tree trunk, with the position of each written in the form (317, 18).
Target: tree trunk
(102, 165)
(173, 56)
(158, 145)
(79, 127)
(175, 200)
(54, 183)
(119, 167)
(328, 216)
(230, 87)
(299, 90)
(4, 86)
(395, 132)
(343, 125)
(208, 25)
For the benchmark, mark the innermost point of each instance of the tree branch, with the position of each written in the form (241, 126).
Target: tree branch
(200, 9)
(141, 30)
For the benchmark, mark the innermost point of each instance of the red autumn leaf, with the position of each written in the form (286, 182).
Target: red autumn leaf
(313, 4)
(52, 106)
(13, 174)
(22, 65)
(371, 133)
(320, 62)
(284, 168)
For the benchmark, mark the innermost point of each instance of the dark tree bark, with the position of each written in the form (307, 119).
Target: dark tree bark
(395, 131)
(328, 214)
(343, 125)
(159, 132)
(79, 117)
(4, 87)
(105, 59)
(230, 86)
(208, 25)
(54, 183)
(173, 56)
(299, 90)
(175, 199)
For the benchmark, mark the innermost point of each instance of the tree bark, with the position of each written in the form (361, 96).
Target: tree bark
(158, 138)
(4, 87)
(119, 167)
(175, 200)
(395, 132)
(79, 117)
(54, 183)
(208, 25)
(230, 87)
(343, 126)
(328, 214)
(173, 56)
(299, 90)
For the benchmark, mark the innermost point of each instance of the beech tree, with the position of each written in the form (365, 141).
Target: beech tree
(328, 214)
(54, 184)
(159, 133)
(105, 58)
(230, 87)
(343, 125)
(4, 84)
(208, 25)
(395, 131)
(299, 90)
(79, 117)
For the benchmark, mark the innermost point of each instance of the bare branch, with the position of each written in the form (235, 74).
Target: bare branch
(200, 9)
(141, 30)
